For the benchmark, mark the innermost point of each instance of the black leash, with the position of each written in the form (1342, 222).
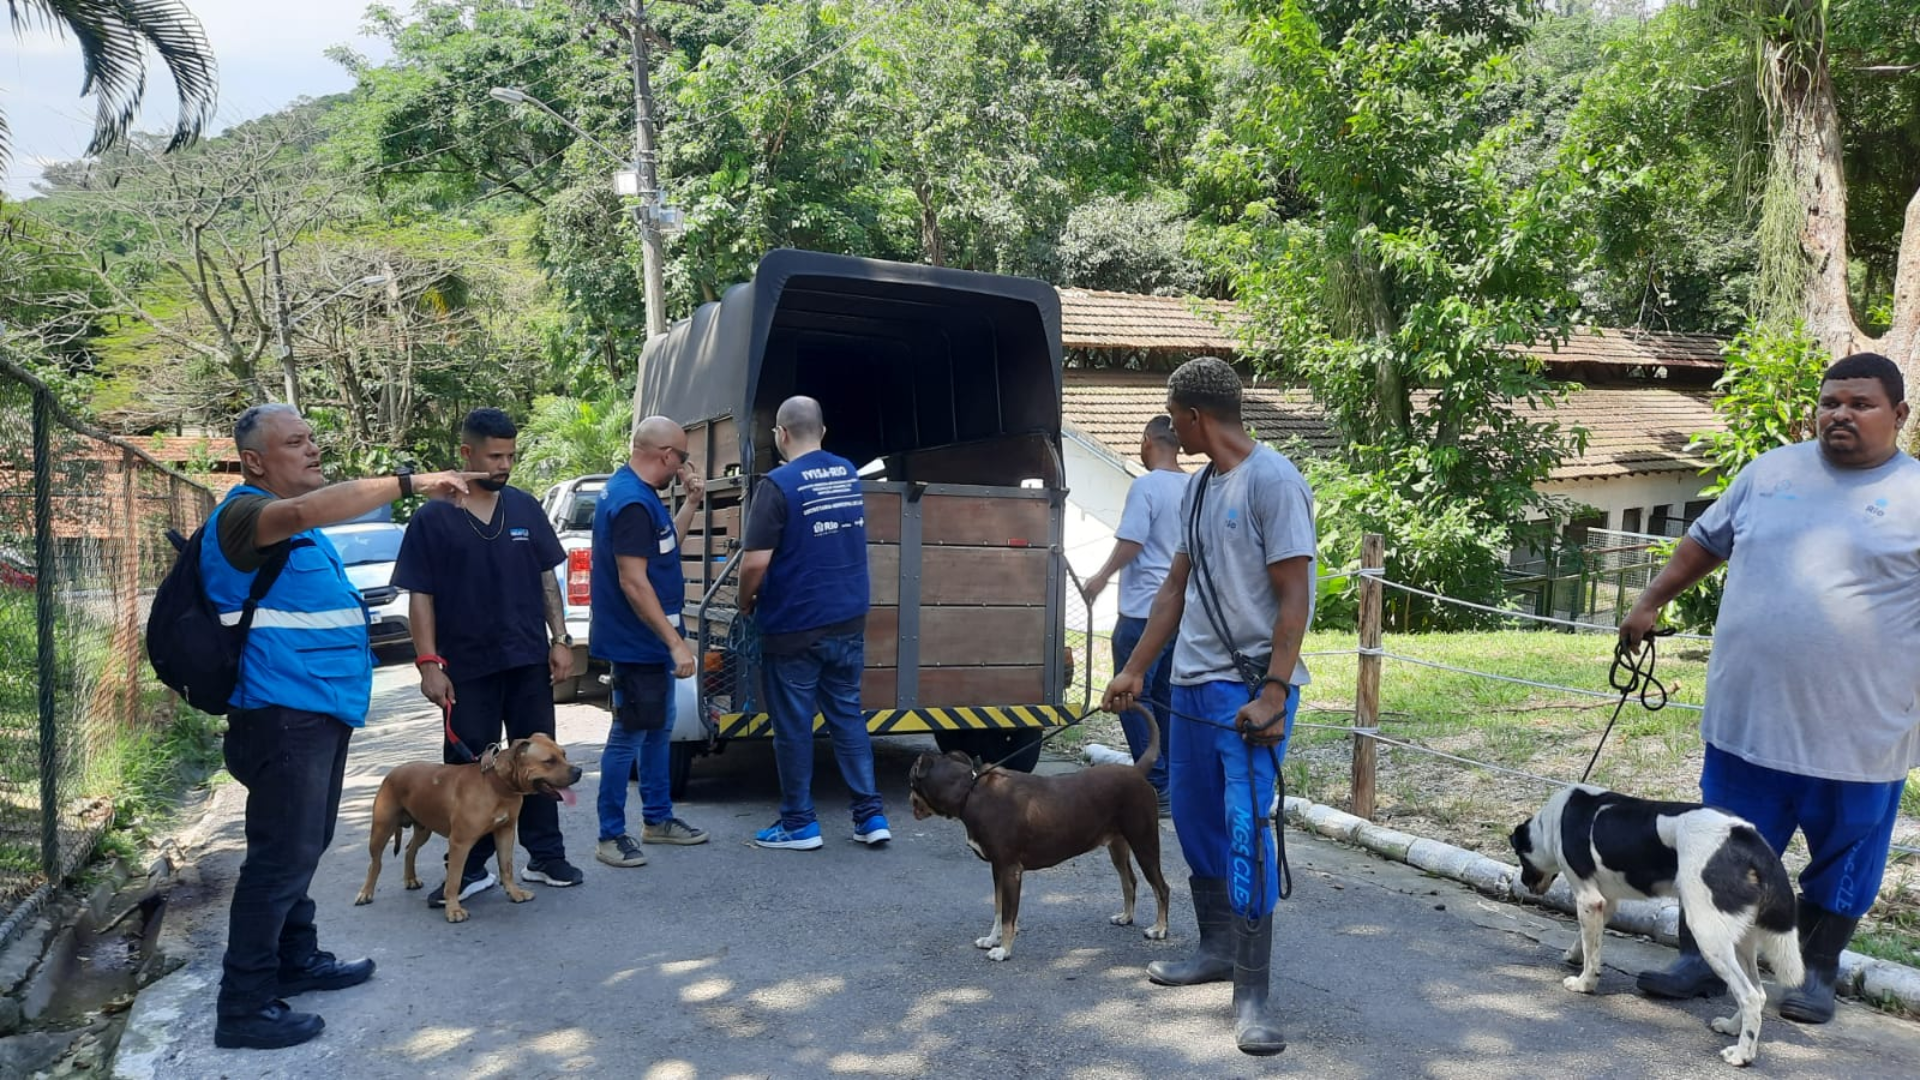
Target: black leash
(1632, 672)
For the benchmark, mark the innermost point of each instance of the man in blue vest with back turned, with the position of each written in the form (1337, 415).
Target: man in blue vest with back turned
(306, 679)
(638, 591)
(804, 580)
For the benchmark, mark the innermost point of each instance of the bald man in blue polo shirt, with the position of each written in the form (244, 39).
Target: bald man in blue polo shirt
(804, 580)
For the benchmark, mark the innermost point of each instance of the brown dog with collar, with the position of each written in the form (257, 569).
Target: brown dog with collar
(1018, 822)
(464, 803)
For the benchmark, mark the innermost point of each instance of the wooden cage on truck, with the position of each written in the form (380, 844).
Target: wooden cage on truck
(944, 386)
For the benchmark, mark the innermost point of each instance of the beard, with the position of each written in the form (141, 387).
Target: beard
(494, 482)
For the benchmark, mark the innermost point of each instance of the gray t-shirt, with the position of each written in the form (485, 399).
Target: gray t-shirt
(1256, 514)
(1816, 655)
(1152, 520)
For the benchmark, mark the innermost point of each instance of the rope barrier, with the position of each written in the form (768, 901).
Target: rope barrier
(1374, 734)
(1488, 608)
(1518, 681)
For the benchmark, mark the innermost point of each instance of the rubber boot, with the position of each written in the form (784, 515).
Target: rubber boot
(1823, 936)
(1688, 977)
(1254, 1029)
(1213, 961)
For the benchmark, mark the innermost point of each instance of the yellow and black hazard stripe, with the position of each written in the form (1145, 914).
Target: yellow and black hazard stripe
(759, 725)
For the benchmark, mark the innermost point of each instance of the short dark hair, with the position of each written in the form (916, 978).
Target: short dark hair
(1870, 365)
(1206, 383)
(487, 423)
(1160, 430)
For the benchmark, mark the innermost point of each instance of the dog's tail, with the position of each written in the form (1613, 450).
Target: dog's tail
(1782, 953)
(1152, 752)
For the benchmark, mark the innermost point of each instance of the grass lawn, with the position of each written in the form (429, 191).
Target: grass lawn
(1544, 732)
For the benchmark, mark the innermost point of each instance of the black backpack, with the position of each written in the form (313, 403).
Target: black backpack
(188, 646)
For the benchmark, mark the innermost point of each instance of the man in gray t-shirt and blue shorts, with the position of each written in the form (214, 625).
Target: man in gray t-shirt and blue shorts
(1813, 695)
(1240, 595)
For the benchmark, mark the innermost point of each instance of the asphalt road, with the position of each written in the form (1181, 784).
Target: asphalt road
(725, 960)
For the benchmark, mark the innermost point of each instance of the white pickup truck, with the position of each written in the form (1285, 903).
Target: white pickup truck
(569, 509)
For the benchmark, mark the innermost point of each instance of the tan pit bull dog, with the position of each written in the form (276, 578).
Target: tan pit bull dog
(464, 803)
(1017, 822)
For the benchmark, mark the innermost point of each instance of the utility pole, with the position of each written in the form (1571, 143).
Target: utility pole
(646, 215)
(283, 325)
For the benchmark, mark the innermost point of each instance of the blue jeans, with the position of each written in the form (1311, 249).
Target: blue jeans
(641, 729)
(823, 678)
(1222, 791)
(1158, 682)
(1848, 825)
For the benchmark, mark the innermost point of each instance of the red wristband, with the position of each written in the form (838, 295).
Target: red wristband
(431, 659)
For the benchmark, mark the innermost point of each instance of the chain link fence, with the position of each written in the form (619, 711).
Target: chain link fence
(83, 522)
(1596, 582)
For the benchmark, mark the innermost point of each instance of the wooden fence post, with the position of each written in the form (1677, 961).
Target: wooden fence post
(1366, 703)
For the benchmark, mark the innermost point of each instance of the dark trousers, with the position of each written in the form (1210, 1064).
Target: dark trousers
(1158, 683)
(291, 763)
(520, 702)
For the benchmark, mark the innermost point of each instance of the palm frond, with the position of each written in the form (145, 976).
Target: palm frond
(114, 36)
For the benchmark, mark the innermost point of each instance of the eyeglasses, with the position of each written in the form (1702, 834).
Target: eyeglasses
(680, 455)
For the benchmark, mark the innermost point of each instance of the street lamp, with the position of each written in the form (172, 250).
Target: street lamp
(652, 216)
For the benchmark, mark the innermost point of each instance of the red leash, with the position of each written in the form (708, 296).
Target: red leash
(446, 717)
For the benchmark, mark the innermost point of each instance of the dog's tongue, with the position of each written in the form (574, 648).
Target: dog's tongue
(567, 796)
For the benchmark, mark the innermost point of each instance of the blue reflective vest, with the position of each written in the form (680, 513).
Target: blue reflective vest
(308, 648)
(615, 631)
(817, 575)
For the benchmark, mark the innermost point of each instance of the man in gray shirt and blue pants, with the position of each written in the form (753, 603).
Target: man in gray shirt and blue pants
(1143, 548)
(1811, 721)
(1240, 595)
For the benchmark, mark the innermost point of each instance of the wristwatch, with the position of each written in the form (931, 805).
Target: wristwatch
(564, 639)
(405, 475)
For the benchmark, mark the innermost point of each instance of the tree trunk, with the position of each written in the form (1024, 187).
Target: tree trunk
(1807, 145)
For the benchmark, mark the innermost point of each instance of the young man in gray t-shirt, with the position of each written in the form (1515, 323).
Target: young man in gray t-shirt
(1811, 721)
(1240, 594)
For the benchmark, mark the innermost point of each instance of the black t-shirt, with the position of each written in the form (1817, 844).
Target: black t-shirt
(766, 522)
(488, 581)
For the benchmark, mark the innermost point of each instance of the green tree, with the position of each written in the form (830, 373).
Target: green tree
(114, 36)
(1413, 269)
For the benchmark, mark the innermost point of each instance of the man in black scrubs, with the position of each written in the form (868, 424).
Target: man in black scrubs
(490, 631)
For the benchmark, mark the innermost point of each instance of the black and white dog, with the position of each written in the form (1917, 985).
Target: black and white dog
(1735, 895)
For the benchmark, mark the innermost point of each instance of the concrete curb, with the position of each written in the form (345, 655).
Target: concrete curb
(1880, 981)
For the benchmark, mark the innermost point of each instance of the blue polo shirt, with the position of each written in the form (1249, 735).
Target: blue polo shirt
(630, 519)
(488, 581)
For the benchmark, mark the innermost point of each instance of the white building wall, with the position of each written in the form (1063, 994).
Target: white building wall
(1097, 482)
(1644, 491)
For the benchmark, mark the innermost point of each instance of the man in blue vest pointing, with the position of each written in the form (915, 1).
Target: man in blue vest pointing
(804, 579)
(306, 679)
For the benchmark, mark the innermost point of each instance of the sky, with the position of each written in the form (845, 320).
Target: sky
(269, 53)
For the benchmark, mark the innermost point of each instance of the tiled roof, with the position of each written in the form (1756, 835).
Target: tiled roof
(1114, 406)
(1634, 348)
(1090, 319)
(1639, 429)
(1629, 429)
(1109, 320)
